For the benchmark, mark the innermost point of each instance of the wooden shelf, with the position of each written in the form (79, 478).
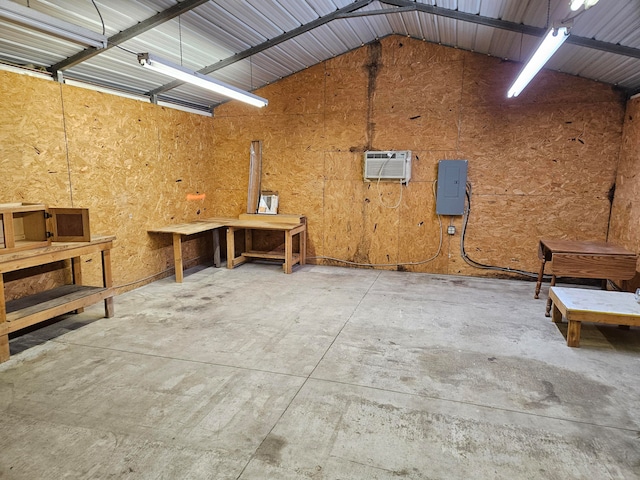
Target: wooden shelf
(32, 309)
(270, 255)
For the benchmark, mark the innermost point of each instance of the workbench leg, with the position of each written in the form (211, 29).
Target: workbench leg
(177, 256)
(76, 272)
(216, 248)
(547, 313)
(4, 328)
(556, 315)
(540, 275)
(302, 237)
(248, 239)
(107, 282)
(573, 333)
(231, 249)
(288, 252)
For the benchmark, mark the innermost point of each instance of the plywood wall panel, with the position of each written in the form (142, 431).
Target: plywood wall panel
(400, 51)
(424, 164)
(344, 212)
(625, 215)
(420, 231)
(33, 158)
(346, 131)
(414, 130)
(343, 165)
(346, 90)
(132, 164)
(571, 150)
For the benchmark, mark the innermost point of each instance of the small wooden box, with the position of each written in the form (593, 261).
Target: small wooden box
(32, 225)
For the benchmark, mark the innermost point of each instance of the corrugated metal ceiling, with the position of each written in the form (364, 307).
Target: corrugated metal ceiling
(250, 43)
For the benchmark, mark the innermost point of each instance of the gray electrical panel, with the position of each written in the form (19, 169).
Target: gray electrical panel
(452, 184)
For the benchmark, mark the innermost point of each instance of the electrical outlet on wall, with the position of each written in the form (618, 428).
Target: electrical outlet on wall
(451, 230)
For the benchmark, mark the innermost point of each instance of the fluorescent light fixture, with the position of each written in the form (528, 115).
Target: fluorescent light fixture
(36, 20)
(552, 41)
(176, 71)
(576, 4)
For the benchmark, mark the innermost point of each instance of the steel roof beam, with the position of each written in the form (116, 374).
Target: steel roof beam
(269, 43)
(129, 33)
(403, 5)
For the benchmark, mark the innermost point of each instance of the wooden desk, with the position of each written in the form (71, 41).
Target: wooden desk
(32, 309)
(580, 259)
(598, 306)
(290, 225)
(186, 229)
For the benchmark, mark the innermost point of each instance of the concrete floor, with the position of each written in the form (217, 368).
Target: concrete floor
(328, 373)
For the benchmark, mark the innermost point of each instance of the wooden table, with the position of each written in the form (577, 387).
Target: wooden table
(581, 259)
(290, 225)
(579, 305)
(192, 228)
(32, 309)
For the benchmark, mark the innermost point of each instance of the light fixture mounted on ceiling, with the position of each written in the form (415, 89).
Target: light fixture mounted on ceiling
(170, 69)
(552, 40)
(576, 4)
(42, 22)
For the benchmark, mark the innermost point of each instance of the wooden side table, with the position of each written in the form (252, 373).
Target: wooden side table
(582, 259)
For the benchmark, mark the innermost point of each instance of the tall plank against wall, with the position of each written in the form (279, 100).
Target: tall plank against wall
(625, 215)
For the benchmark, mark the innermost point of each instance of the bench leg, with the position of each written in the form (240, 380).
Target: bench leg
(540, 275)
(216, 248)
(177, 256)
(573, 333)
(556, 315)
(4, 329)
(547, 313)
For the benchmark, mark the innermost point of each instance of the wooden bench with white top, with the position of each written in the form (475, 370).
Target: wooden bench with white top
(579, 305)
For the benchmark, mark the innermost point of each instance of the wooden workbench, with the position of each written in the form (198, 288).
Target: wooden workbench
(32, 309)
(579, 305)
(291, 225)
(583, 259)
(191, 228)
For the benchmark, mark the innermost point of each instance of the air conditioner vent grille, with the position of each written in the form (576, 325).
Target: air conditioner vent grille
(387, 166)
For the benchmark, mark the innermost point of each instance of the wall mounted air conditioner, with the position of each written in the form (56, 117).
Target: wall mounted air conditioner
(387, 166)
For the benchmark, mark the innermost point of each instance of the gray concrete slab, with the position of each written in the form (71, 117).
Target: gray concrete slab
(328, 373)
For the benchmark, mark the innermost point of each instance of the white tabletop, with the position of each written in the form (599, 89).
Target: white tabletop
(583, 299)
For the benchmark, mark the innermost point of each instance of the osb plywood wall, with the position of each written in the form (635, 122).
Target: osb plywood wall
(131, 163)
(540, 165)
(625, 215)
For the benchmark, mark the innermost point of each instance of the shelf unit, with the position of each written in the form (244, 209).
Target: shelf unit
(32, 309)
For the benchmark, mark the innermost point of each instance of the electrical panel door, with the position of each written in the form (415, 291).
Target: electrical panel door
(452, 182)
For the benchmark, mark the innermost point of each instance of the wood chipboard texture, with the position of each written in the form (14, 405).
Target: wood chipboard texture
(33, 162)
(131, 163)
(625, 214)
(540, 165)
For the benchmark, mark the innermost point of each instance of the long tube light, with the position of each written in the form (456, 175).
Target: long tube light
(552, 41)
(176, 71)
(40, 21)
